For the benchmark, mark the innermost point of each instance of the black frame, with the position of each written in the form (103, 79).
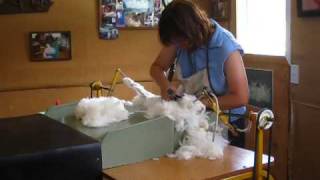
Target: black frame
(261, 78)
(216, 11)
(33, 57)
(306, 13)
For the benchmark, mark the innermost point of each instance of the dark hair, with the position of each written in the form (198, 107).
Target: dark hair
(184, 19)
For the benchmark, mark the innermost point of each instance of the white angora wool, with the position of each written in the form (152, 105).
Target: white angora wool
(187, 112)
(138, 88)
(98, 112)
(198, 143)
(189, 115)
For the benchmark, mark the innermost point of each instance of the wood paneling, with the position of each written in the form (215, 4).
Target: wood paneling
(304, 149)
(92, 59)
(304, 141)
(280, 131)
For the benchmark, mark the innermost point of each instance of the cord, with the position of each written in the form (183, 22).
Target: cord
(269, 153)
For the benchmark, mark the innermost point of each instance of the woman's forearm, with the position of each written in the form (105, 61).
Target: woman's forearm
(231, 101)
(157, 73)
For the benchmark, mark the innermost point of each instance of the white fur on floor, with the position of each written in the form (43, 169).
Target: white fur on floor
(98, 112)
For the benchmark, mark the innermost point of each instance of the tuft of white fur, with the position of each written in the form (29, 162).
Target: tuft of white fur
(198, 143)
(98, 112)
(187, 112)
(138, 88)
(190, 116)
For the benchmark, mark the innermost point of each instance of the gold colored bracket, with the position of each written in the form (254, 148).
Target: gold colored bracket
(98, 86)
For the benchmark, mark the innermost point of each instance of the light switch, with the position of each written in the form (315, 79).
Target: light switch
(294, 75)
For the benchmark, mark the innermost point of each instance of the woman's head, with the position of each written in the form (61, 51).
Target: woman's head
(184, 24)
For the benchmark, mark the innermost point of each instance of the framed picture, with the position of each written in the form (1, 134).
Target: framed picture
(50, 46)
(221, 10)
(108, 18)
(136, 14)
(25, 6)
(261, 87)
(308, 8)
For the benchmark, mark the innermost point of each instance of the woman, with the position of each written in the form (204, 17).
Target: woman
(207, 56)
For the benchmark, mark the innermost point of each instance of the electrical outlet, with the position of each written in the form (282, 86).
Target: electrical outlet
(294, 74)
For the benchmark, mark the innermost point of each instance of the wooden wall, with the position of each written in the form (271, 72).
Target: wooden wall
(304, 149)
(29, 87)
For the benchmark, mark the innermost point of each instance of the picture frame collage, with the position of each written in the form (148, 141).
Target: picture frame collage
(135, 14)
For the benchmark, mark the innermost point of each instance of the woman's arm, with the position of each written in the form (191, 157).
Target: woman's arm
(238, 91)
(160, 66)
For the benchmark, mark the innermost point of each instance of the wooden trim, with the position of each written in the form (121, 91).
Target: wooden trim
(56, 86)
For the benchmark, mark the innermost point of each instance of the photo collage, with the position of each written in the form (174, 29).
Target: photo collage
(116, 14)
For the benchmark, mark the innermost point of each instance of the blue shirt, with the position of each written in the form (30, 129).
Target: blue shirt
(220, 47)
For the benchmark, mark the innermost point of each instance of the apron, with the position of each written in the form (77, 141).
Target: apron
(193, 84)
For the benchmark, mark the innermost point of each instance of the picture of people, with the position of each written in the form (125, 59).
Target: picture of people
(128, 13)
(142, 13)
(48, 46)
(108, 16)
(120, 19)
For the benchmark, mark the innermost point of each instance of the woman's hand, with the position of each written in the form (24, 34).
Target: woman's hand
(169, 94)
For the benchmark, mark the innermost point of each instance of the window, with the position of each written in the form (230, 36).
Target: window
(261, 26)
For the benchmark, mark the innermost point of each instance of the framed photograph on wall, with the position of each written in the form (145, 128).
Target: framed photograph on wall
(221, 10)
(108, 19)
(135, 14)
(50, 46)
(308, 8)
(261, 87)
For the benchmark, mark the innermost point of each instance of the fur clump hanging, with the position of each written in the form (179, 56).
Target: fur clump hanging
(102, 111)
